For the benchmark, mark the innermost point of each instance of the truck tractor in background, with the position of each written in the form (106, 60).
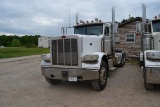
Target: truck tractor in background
(88, 54)
(150, 49)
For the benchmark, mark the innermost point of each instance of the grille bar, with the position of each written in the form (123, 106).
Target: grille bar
(65, 52)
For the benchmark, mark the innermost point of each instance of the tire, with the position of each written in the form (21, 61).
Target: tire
(124, 58)
(53, 81)
(148, 86)
(100, 83)
(123, 61)
(140, 63)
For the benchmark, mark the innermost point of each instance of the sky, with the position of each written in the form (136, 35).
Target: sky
(46, 17)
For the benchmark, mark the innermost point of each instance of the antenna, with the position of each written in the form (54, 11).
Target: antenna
(69, 17)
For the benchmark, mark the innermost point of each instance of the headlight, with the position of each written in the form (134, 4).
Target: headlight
(45, 57)
(90, 58)
(153, 55)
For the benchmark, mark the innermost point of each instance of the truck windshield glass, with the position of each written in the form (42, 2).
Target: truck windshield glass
(156, 26)
(89, 30)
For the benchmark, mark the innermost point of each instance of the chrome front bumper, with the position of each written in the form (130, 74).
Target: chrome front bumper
(153, 75)
(65, 73)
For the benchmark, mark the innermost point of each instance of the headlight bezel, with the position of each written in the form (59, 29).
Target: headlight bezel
(153, 55)
(90, 58)
(46, 57)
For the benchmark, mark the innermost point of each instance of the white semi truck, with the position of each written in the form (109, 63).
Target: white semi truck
(88, 54)
(150, 50)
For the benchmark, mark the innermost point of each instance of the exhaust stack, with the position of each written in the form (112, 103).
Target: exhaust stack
(146, 39)
(77, 18)
(143, 17)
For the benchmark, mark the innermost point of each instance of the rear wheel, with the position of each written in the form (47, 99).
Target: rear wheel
(53, 81)
(148, 86)
(100, 83)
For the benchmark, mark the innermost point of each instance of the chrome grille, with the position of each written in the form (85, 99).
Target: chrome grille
(65, 52)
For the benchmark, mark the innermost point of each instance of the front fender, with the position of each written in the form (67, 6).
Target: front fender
(95, 64)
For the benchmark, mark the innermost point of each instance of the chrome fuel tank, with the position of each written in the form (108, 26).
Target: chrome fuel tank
(147, 42)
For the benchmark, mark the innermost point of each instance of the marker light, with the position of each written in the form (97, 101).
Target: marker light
(96, 19)
(63, 37)
(81, 21)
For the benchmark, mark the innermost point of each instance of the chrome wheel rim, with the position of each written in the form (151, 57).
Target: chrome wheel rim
(103, 75)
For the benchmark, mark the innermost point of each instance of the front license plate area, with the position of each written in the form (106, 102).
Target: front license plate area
(72, 79)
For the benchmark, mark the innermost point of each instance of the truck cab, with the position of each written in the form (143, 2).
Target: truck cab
(152, 57)
(85, 55)
(150, 50)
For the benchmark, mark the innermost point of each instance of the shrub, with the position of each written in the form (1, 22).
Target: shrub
(15, 43)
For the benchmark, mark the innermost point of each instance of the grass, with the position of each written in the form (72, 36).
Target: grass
(132, 61)
(11, 52)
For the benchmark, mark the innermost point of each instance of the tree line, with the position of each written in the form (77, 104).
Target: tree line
(17, 41)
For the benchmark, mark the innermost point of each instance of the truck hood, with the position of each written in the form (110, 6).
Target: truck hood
(75, 35)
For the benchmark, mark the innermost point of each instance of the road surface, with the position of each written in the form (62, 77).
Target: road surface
(22, 85)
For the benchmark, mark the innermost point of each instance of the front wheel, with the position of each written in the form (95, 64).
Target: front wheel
(53, 81)
(100, 83)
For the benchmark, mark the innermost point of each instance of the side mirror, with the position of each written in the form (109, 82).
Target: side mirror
(63, 31)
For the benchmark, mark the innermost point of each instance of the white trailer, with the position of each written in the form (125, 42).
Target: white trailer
(150, 50)
(88, 54)
(43, 42)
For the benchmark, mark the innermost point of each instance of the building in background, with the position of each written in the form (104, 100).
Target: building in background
(128, 39)
(43, 42)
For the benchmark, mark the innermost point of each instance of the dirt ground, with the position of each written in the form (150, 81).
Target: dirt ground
(22, 85)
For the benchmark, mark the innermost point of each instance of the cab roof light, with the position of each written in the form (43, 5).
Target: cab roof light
(155, 17)
(81, 21)
(96, 19)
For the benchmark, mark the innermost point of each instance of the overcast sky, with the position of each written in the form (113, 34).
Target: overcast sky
(46, 17)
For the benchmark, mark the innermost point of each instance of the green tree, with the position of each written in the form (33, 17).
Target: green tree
(132, 18)
(27, 40)
(15, 43)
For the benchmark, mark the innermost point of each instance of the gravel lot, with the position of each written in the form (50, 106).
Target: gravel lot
(22, 85)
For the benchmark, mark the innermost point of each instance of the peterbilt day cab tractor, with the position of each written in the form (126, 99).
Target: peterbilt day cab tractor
(87, 54)
(150, 50)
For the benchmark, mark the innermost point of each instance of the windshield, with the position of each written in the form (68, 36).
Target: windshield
(156, 26)
(89, 30)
